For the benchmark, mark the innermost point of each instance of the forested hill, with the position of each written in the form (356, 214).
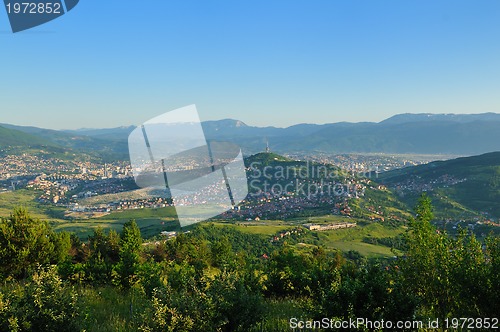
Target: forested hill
(30, 139)
(11, 137)
(469, 183)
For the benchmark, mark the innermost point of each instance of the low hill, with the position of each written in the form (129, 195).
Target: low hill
(104, 148)
(463, 186)
(19, 139)
(114, 134)
(326, 186)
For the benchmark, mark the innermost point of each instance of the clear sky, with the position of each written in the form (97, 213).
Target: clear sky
(109, 63)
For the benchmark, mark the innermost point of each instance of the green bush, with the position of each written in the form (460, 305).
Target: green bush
(45, 303)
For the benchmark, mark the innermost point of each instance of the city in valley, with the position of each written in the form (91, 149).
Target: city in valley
(87, 187)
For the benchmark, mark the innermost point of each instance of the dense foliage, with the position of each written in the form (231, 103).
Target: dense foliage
(218, 279)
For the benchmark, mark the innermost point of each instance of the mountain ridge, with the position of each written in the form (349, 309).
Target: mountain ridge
(453, 134)
(427, 117)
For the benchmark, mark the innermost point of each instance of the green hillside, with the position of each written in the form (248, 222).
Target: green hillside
(16, 138)
(460, 187)
(267, 158)
(260, 160)
(269, 169)
(370, 202)
(106, 149)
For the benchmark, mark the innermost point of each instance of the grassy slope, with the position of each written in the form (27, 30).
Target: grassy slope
(149, 220)
(268, 228)
(351, 239)
(24, 198)
(342, 239)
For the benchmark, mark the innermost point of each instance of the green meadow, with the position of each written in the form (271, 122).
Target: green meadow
(153, 221)
(339, 239)
(27, 199)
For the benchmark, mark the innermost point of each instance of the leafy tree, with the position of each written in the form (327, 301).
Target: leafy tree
(130, 238)
(113, 245)
(130, 245)
(289, 273)
(151, 276)
(370, 292)
(426, 266)
(469, 274)
(104, 253)
(106, 246)
(182, 304)
(237, 307)
(163, 316)
(62, 246)
(491, 302)
(79, 252)
(26, 242)
(222, 253)
(424, 209)
(451, 277)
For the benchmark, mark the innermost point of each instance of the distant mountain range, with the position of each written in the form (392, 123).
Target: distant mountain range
(116, 134)
(454, 134)
(429, 117)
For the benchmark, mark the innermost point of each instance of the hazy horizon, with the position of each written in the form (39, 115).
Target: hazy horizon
(245, 122)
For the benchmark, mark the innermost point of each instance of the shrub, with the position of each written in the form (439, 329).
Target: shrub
(44, 304)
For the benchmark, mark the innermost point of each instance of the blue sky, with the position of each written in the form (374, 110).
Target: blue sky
(112, 63)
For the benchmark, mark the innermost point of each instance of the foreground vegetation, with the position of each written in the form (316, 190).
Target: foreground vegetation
(220, 278)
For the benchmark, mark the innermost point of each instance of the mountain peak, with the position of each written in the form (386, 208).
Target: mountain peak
(227, 123)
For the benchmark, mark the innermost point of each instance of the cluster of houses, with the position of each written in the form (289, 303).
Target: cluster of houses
(312, 227)
(419, 184)
(284, 234)
(327, 227)
(168, 235)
